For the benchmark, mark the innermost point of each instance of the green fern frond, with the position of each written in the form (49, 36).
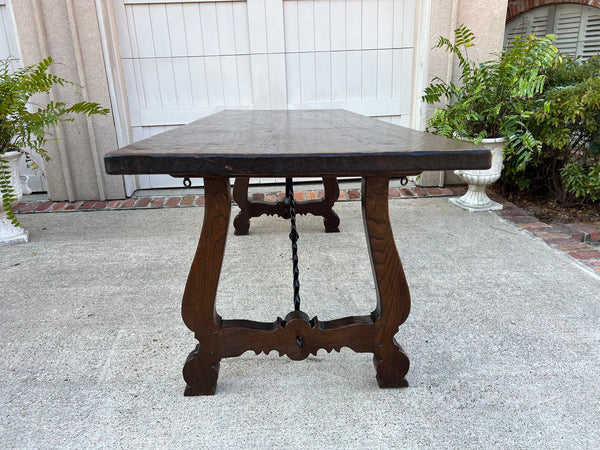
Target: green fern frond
(23, 126)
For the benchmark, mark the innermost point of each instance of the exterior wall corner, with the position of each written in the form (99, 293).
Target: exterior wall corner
(68, 31)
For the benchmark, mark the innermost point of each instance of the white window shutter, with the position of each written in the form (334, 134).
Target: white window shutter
(517, 27)
(539, 21)
(577, 27)
(534, 21)
(590, 30)
(566, 26)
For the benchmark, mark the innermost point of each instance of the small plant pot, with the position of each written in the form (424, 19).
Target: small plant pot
(476, 199)
(10, 234)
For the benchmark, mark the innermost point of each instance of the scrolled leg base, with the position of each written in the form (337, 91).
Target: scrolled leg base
(392, 368)
(331, 222)
(200, 375)
(241, 224)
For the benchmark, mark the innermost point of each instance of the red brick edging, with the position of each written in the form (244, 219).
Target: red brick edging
(572, 239)
(45, 206)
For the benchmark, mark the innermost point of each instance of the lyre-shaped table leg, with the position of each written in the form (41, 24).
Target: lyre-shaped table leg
(201, 368)
(393, 298)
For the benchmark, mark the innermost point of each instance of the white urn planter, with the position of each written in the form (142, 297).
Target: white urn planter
(10, 234)
(475, 199)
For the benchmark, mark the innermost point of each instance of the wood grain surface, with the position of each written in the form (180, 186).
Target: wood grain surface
(293, 143)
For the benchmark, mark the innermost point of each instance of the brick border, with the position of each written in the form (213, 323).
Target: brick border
(573, 239)
(154, 202)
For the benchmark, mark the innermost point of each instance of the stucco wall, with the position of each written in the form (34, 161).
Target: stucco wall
(68, 31)
(487, 20)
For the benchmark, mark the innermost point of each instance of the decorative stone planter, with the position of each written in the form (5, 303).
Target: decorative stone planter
(9, 234)
(475, 199)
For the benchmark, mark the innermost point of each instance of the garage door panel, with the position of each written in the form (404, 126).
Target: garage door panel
(160, 31)
(143, 35)
(240, 26)
(323, 76)
(177, 33)
(183, 60)
(404, 23)
(402, 63)
(8, 38)
(385, 24)
(369, 74)
(210, 29)
(199, 85)
(338, 76)
(306, 25)
(354, 75)
(385, 76)
(150, 83)
(369, 24)
(291, 31)
(337, 22)
(353, 24)
(192, 25)
(166, 83)
(275, 26)
(244, 77)
(277, 81)
(322, 26)
(131, 88)
(183, 82)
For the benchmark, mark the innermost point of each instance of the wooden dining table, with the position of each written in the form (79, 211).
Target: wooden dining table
(294, 144)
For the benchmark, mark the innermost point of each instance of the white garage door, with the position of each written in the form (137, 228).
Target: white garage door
(183, 60)
(8, 41)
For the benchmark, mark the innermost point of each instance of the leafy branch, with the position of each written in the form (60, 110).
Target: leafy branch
(23, 125)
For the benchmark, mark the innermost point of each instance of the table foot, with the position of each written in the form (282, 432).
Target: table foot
(241, 224)
(200, 373)
(392, 366)
(332, 223)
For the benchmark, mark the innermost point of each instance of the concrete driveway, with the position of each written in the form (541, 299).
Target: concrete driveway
(503, 336)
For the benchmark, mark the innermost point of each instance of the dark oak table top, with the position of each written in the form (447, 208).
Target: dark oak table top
(295, 143)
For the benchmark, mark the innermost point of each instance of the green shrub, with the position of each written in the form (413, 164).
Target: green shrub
(492, 98)
(566, 124)
(581, 181)
(546, 104)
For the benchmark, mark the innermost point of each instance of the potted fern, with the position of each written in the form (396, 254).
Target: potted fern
(490, 103)
(23, 131)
